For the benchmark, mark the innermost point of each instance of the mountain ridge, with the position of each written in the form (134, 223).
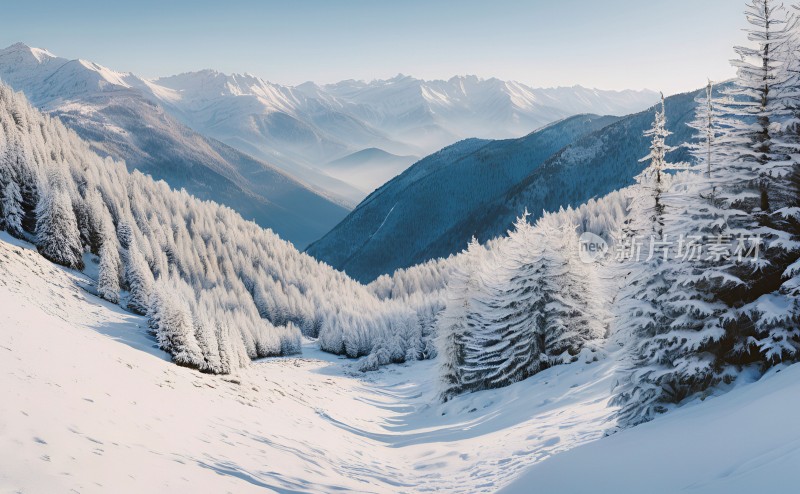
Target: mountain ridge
(398, 224)
(113, 111)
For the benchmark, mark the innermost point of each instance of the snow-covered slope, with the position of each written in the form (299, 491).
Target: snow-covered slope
(91, 405)
(116, 112)
(479, 187)
(745, 441)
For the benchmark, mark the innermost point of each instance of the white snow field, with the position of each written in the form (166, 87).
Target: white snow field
(745, 441)
(90, 405)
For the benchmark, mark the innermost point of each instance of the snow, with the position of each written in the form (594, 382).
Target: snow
(92, 405)
(742, 442)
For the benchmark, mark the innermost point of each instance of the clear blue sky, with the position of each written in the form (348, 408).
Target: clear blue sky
(671, 45)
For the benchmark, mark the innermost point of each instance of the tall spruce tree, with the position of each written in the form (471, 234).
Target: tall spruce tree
(57, 235)
(108, 276)
(11, 214)
(654, 176)
(454, 323)
(139, 279)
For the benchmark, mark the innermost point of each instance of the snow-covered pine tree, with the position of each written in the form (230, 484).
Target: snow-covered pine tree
(775, 335)
(170, 319)
(755, 192)
(108, 279)
(787, 214)
(125, 234)
(207, 341)
(108, 276)
(757, 100)
(57, 235)
(535, 305)
(10, 197)
(704, 125)
(508, 346)
(227, 359)
(96, 213)
(139, 279)
(668, 308)
(30, 181)
(11, 213)
(654, 176)
(673, 328)
(453, 323)
(573, 315)
(712, 143)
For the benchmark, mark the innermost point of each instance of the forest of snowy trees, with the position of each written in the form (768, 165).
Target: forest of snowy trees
(703, 278)
(218, 291)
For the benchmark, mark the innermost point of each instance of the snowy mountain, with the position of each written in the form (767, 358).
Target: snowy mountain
(479, 187)
(118, 114)
(276, 123)
(300, 129)
(434, 114)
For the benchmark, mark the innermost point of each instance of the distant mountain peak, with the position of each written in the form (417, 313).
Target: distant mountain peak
(38, 55)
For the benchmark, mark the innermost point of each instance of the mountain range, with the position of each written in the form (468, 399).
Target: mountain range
(119, 115)
(478, 187)
(300, 129)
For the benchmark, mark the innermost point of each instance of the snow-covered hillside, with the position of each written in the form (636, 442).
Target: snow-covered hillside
(119, 114)
(745, 441)
(218, 290)
(109, 411)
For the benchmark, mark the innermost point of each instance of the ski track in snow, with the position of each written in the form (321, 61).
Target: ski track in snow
(384, 221)
(91, 404)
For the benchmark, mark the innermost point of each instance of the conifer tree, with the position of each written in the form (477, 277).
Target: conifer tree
(108, 276)
(757, 103)
(453, 323)
(509, 344)
(654, 176)
(170, 319)
(139, 279)
(11, 209)
(57, 236)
